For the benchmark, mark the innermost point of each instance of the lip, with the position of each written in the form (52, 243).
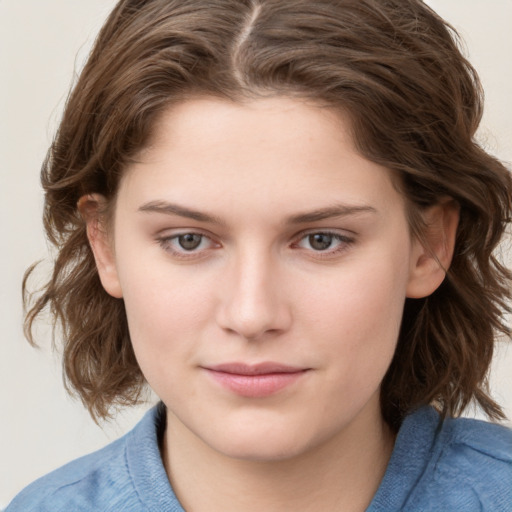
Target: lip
(255, 381)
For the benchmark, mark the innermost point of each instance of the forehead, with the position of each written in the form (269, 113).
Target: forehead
(278, 124)
(267, 153)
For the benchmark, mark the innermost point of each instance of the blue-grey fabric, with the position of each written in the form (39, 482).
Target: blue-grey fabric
(464, 465)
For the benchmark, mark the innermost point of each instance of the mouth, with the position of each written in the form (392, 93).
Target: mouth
(255, 381)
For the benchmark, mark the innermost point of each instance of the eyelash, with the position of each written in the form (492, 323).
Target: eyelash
(166, 242)
(344, 243)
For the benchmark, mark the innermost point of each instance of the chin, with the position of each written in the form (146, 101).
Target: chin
(265, 444)
(261, 450)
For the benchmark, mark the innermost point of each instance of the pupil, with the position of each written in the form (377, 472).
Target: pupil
(320, 241)
(189, 241)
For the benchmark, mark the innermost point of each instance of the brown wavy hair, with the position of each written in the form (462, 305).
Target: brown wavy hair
(415, 104)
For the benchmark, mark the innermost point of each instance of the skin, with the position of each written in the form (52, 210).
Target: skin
(260, 287)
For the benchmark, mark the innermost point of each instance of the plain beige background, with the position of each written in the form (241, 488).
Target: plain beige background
(41, 42)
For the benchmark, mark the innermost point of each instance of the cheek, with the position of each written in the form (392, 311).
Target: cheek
(166, 311)
(356, 320)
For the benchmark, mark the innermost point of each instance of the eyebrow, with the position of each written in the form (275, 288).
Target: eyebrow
(329, 212)
(182, 211)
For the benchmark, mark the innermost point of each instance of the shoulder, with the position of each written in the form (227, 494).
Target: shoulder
(85, 483)
(457, 464)
(476, 456)
(101, 481)
(469, 466)
(480, 440)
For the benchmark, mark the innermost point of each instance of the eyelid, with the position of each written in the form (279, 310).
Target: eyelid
(165, 238)
(338, 233)
(346, 241)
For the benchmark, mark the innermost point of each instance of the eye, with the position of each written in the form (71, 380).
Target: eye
(324, 242)
(320, 241)
(183, 245)
(189, 241)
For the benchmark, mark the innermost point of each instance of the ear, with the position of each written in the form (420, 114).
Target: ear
(92, 209)
(431, 257)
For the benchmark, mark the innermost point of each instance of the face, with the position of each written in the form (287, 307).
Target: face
(264, 266)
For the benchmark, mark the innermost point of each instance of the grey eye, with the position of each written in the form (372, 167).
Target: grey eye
(190, 241)
(320, 241)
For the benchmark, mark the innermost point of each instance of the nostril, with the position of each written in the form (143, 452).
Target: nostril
(255, 324)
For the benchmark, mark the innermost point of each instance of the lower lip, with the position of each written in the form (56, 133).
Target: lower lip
(256, 386)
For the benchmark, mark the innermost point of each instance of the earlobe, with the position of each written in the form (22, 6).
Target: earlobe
(91, 208)
(431, 257)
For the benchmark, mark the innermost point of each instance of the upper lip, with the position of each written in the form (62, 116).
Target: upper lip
(255, 369)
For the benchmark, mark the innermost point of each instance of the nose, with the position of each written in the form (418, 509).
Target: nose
(253, 302)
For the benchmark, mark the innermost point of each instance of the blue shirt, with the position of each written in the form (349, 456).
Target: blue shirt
(465, 465)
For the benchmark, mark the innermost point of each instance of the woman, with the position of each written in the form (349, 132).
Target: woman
(275, 214)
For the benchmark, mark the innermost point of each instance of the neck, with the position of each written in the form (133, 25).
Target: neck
(343, 473)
